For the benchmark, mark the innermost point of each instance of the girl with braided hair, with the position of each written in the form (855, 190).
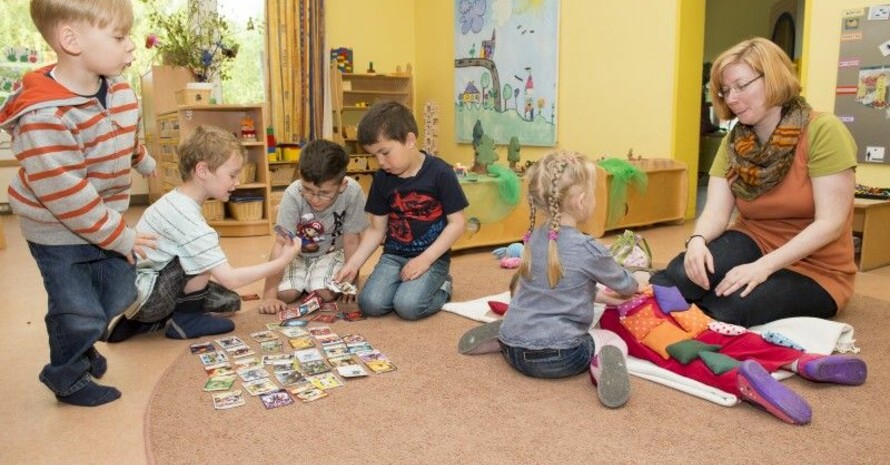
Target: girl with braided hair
(546, 331)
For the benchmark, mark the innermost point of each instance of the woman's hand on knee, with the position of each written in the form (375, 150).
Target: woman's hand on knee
(697, 263)
(745, 277)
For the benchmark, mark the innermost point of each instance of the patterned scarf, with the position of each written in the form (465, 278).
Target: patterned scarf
(755, 169)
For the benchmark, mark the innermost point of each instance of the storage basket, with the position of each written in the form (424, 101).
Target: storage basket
(282, 175)
(246, 210)
(213, 210)
(248, 173)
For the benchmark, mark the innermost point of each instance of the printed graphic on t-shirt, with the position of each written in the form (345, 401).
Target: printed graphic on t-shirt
(414, 213)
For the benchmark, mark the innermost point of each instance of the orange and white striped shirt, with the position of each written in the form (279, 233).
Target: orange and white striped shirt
(75, 156)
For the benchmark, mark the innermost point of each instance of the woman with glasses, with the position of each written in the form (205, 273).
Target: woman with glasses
(789, 171)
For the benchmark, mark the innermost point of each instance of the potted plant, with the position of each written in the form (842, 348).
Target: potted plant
(195, 38)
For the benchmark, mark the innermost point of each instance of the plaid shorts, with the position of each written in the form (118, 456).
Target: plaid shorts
(311, 274)
(168, 291)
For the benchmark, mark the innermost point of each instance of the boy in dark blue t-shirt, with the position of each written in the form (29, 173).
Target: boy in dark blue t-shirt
(416, 206)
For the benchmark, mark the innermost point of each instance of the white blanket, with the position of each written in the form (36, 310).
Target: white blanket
(814, 334)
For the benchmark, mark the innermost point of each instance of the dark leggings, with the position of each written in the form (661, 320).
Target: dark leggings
(784, 294)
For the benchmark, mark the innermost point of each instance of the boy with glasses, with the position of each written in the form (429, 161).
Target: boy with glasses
(325, 210)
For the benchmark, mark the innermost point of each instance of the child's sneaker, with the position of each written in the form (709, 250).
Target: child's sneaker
(837, 369)
(765, 392)
(192, 325)
(481, 339)
(608, 372)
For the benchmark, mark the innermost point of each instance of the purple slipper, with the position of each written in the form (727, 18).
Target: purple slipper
(837, 369)
(763, 391)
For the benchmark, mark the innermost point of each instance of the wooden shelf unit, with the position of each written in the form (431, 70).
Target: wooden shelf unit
(352, 95)
(173, 125)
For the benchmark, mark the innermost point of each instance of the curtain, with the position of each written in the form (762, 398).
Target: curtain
(296, 68)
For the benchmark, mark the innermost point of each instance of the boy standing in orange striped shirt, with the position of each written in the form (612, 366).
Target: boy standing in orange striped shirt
(74, 131)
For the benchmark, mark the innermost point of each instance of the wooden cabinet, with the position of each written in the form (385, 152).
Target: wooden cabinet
(352, 95)
(663, 201)
(490, 221)
(247, 218)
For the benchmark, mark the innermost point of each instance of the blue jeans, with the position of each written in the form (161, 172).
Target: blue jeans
(550, 363)
(412, 300)
(86, 287)
(784, 294)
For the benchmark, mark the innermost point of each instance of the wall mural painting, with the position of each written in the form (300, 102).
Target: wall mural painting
(506, 70)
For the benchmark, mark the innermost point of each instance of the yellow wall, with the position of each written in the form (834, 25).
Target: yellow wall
(379, 31)
(823, 44)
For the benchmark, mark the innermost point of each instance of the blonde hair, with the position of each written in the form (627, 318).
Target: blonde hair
(209, 144)
(48, 14)
(765, 58)
(551, 180)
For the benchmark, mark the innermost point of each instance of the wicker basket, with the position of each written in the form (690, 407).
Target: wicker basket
(213, 210)
(282, 175)
(248, 173)
(246, 211)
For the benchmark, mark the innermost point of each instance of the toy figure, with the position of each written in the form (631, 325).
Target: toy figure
(248, 130)
(460, 170)
(510, 255)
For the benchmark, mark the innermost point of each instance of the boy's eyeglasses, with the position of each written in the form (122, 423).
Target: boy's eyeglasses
(736, 89)
(319, 195)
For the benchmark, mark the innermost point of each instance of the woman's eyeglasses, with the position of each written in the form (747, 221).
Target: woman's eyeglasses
(736, 89)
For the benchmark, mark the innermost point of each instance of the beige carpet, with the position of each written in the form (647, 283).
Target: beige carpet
(441, 407)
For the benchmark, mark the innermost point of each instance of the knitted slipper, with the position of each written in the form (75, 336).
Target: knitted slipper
(613, 386)
(481, 339)
(836, 369)
(757, 387)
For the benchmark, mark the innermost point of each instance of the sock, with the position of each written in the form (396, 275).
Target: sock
(91, 395)
(98, 363)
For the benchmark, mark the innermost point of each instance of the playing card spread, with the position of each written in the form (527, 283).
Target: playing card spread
(325, 381)
(289, 378)
(220, 383)
(335, 349)
(263, 336)
(341, 288)
(314, 367)
(221, 371)
(329, 307)
(302, 343)
(202, 347)
(308, 355)
(214, 358)
(260, 386)
(240, 351)
(252, 374)
(351, 371)
(311, 395)
(320, 330)
(231, 341)
(354, 316)
(370, 356)
(247, 362)
(328, 339)
(275, 399)
(323, 318)
(278, 359)
(271, 346)
(302, 386)
(226, 400)
(341, 360)
(380, 366)
(353, 339)
(359, 347)
(293, 331)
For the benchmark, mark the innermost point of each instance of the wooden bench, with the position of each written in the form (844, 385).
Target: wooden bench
(871, 220)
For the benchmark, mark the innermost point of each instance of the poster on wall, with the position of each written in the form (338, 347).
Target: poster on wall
(506, 70)
(863, 80)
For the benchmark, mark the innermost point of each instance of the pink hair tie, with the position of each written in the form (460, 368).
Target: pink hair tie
(552, 235)
(526, 237)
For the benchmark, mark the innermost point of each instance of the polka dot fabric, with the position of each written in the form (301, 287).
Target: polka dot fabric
(643, 321)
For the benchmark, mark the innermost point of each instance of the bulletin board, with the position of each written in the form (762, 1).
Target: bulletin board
(863, 80)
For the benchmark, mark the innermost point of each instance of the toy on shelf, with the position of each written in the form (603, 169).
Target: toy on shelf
(271, 144)
(371, 67)
(460, 170)
(343, 57)
(510, 255)
(483, 148)
(248, 129)
(311, 232)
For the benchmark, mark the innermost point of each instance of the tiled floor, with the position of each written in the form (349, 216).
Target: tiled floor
(39, 430)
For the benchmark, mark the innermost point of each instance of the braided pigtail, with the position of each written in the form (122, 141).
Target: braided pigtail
(525, 263)
(554, 208)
